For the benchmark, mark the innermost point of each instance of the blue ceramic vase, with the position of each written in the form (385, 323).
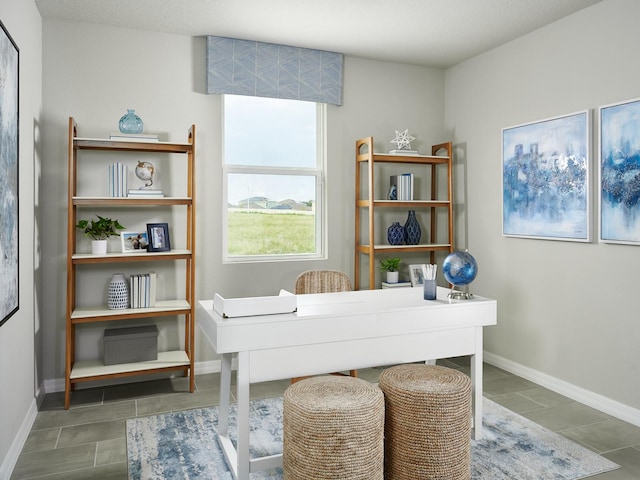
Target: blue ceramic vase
(395, 234)
(412, 230)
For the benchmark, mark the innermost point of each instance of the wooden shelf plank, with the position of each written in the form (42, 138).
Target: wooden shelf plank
(106, 144)
(98, 314)
(116, 201)
(79, 258)
(96, 368)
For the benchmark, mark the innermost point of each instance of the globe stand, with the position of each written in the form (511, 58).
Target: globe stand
(458, 295)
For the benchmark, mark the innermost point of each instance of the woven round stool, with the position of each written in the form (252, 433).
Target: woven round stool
(333, 429)
(427, 423)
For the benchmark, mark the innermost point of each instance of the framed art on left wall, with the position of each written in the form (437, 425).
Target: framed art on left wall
(9, 62)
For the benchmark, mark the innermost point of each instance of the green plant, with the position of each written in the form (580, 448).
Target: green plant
(100, 229)
(389, 264)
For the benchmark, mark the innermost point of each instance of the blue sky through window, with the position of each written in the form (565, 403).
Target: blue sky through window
(270, 132)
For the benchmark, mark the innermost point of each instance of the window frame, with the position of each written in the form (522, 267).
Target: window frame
(318, 172)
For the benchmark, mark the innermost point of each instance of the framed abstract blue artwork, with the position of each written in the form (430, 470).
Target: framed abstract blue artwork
(619, 173)
(546, 179)
(8, 176)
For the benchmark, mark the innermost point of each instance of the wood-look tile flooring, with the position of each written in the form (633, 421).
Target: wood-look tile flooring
(88, 440)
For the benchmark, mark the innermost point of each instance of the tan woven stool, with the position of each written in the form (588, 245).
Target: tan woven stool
(333, 429)
(427, 423)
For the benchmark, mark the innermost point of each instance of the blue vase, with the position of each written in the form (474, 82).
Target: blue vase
(130, 123)
(395, 234)
(412, 230)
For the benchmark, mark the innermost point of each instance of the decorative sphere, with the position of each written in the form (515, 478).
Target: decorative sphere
(145, 171)
(459, 268)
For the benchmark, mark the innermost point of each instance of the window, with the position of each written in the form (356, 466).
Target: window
(273, 166)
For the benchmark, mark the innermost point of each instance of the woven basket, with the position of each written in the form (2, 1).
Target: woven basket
(427, 423)
(333, 429)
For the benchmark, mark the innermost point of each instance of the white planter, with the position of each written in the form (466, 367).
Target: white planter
(99, 247)
(392, 277)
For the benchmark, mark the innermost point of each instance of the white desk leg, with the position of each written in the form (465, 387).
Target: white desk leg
(243, 415)
(225, 394)
(476, 386)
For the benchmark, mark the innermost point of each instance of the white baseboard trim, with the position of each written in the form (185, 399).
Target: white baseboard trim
(594, 400)
(9, 462)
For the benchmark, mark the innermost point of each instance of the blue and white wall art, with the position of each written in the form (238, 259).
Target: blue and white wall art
(545, 179)
(620, 172)
(8, 176)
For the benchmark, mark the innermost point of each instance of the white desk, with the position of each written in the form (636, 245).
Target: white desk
(340, 331)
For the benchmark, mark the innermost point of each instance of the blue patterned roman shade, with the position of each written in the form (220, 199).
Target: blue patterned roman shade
(243, 67)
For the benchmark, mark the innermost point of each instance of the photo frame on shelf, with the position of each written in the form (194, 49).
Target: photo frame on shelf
(133, 242)
(415, 272)
(158, 235)
(9, 101)
(619, 170)
(546, 170)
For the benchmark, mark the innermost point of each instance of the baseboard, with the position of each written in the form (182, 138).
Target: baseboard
(594, 400)
(20, 439)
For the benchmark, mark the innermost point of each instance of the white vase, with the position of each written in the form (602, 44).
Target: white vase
(118, 292)
(99, 247)
(392, 277)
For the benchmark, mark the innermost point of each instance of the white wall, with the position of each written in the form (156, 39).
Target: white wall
(21, 335)
(162, 77)
(566, 309)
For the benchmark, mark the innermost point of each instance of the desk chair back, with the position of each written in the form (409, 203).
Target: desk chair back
(323, 281)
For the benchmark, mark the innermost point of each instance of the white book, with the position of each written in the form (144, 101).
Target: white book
(147, 290)
(132, 290)
(153, 278)
(112, 190)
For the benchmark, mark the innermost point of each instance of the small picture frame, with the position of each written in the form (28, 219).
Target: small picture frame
(417, 277)
(133, 242)
(158, 234)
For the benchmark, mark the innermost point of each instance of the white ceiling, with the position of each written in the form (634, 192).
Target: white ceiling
(438, 33)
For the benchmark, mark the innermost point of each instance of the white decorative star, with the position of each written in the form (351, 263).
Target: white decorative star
(403, 140)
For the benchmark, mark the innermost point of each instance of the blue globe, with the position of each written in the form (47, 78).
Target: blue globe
(459, 268)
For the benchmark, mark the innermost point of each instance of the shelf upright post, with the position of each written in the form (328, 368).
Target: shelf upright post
(191, 246)
(71, 268)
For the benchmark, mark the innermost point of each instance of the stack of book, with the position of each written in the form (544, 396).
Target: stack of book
(117, 180)
(403, 186)
(143, 290)
(134, 137)
(145, 193)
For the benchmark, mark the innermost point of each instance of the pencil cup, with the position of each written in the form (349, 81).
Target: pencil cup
(430, 289)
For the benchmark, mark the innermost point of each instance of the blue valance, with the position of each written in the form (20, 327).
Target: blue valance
(243, 67)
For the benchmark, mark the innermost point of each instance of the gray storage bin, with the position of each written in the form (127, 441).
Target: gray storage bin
(130, 344)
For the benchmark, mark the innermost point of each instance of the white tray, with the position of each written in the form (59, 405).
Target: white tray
(285, 302)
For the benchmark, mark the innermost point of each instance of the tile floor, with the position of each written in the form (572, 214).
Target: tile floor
(88, 440)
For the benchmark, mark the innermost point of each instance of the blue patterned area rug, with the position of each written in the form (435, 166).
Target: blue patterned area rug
(182, 445)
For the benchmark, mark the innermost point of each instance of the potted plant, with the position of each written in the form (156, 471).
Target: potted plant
(99, 231)
(390, 265)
